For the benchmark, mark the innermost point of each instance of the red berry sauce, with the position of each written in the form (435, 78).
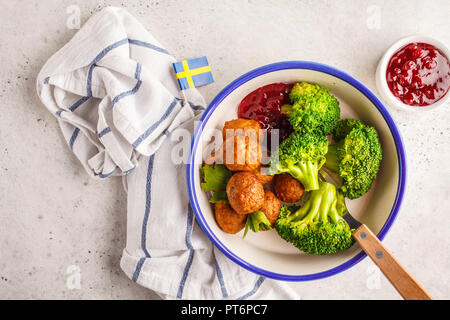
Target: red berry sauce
(418, 74)
(264, 105)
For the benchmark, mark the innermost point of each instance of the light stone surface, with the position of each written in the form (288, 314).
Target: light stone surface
(53, 216)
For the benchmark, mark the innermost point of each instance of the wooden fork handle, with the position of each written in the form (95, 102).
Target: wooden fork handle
(403, 282)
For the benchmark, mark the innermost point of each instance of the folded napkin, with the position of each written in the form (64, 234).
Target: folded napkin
(119, 108)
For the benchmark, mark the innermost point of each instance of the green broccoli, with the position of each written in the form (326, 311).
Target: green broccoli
(313, 109)
(355, 158)
(343, 128)
(302, 156)
(317, 227)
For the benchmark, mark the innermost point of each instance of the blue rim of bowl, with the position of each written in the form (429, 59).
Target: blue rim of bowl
(277, 67)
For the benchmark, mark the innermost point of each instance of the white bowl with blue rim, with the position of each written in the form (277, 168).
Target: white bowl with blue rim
(265, 253)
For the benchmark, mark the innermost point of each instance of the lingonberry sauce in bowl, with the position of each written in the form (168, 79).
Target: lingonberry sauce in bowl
(418, 74)
(414, 74)
(264, 105)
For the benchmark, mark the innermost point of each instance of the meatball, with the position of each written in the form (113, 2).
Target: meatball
(245, 192)
(241, 147)
(263, 178)
(240, 124)
(229, 220)
(287, 188)
(271, 207)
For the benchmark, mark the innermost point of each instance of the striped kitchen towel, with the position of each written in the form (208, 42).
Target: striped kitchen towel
(114, 94)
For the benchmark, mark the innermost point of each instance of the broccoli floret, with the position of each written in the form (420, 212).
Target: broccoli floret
(302, 156)
(317, 227)
(313, 109)
(343, 128)
(355, 158)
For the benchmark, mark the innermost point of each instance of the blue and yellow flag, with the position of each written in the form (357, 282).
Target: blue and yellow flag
(193, 73)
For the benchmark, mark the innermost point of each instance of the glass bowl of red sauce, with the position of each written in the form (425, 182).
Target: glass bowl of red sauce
(414, 74)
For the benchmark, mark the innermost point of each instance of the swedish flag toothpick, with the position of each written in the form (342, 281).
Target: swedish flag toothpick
(193, 73)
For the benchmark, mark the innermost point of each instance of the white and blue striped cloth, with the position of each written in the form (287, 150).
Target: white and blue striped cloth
(116, 99)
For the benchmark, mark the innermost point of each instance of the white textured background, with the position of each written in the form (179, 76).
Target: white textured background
(52, 215)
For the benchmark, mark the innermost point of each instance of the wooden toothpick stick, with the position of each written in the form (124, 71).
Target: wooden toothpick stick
(184, 97)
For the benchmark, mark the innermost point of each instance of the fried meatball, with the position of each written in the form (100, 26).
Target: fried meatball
(271, 207)
(245, 192)
(263, 178)
(241, 147)
(229, 220)
(287, 188)
(242, 124)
